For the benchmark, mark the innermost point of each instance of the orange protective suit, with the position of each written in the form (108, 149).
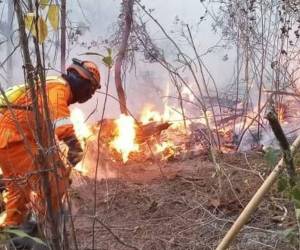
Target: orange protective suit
(17, 154)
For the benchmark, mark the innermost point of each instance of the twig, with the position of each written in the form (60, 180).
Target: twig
(114, 235)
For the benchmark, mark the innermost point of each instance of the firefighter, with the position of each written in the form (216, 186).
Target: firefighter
(18, 148)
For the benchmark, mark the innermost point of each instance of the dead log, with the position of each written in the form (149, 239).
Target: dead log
(145, 132)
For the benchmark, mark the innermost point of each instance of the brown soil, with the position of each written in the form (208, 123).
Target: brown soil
(176, 205)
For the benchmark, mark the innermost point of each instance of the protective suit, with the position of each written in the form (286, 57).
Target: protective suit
(18, 150)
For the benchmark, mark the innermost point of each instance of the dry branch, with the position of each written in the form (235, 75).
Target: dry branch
(284, 144)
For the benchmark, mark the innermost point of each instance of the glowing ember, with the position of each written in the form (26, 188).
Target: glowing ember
(165, 148)
(124, 142)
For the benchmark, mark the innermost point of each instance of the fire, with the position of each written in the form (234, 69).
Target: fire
(126, 137)
(175, 116)
(149, 115)
(80, 167)
(124, 142)
(82, 131)
(166, 149)
(281, 112)
(170, 114)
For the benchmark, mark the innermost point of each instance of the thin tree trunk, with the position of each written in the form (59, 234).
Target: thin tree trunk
(10, 12)
(127, 10)
(237, 78)
(40, 128)
(63, 36)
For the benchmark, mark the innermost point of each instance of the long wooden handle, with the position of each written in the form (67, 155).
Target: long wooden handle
(254, 202)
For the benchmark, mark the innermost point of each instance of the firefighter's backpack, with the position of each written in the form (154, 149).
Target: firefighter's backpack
(14, 93)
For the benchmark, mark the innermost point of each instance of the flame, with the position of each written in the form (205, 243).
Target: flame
(170, 114)
(124, 142)
(80, 167)
(149, 115)
(281, 112)
(174, 115)
(165, 148)
(82, 131)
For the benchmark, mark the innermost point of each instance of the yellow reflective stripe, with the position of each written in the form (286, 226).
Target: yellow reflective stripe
(62, 121)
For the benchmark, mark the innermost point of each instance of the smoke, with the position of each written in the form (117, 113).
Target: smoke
(94, 23)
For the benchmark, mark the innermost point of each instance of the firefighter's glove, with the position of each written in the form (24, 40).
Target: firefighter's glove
(75, 152)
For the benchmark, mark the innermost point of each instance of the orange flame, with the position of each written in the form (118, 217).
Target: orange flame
(149, 115)
(82, 131)
(124, 142)
(166, 149)
(170, 114)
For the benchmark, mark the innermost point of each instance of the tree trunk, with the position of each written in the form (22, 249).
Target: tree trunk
(127, 11)
(40, 126)
(63, 36)
(10, 12)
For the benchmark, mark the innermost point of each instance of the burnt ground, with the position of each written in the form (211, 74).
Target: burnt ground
(180, 204)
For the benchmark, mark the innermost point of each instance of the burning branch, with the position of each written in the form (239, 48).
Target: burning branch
(144, 132)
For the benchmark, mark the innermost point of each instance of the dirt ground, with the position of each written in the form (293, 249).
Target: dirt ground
(179, 204)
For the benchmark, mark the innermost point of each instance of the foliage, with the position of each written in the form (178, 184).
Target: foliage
(51, 13)
(107, 60)
(22, 234)
(30, 24)
(272, 156)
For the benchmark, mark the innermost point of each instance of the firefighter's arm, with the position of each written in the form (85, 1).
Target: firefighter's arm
(58, 102)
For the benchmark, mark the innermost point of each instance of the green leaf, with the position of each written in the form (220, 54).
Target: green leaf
(23, 235)
(290, 232)
(296, 193)
(92, 54)
(109, 51)
(282, 183)
(296, 203)
(271, 157)
(108, 61)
